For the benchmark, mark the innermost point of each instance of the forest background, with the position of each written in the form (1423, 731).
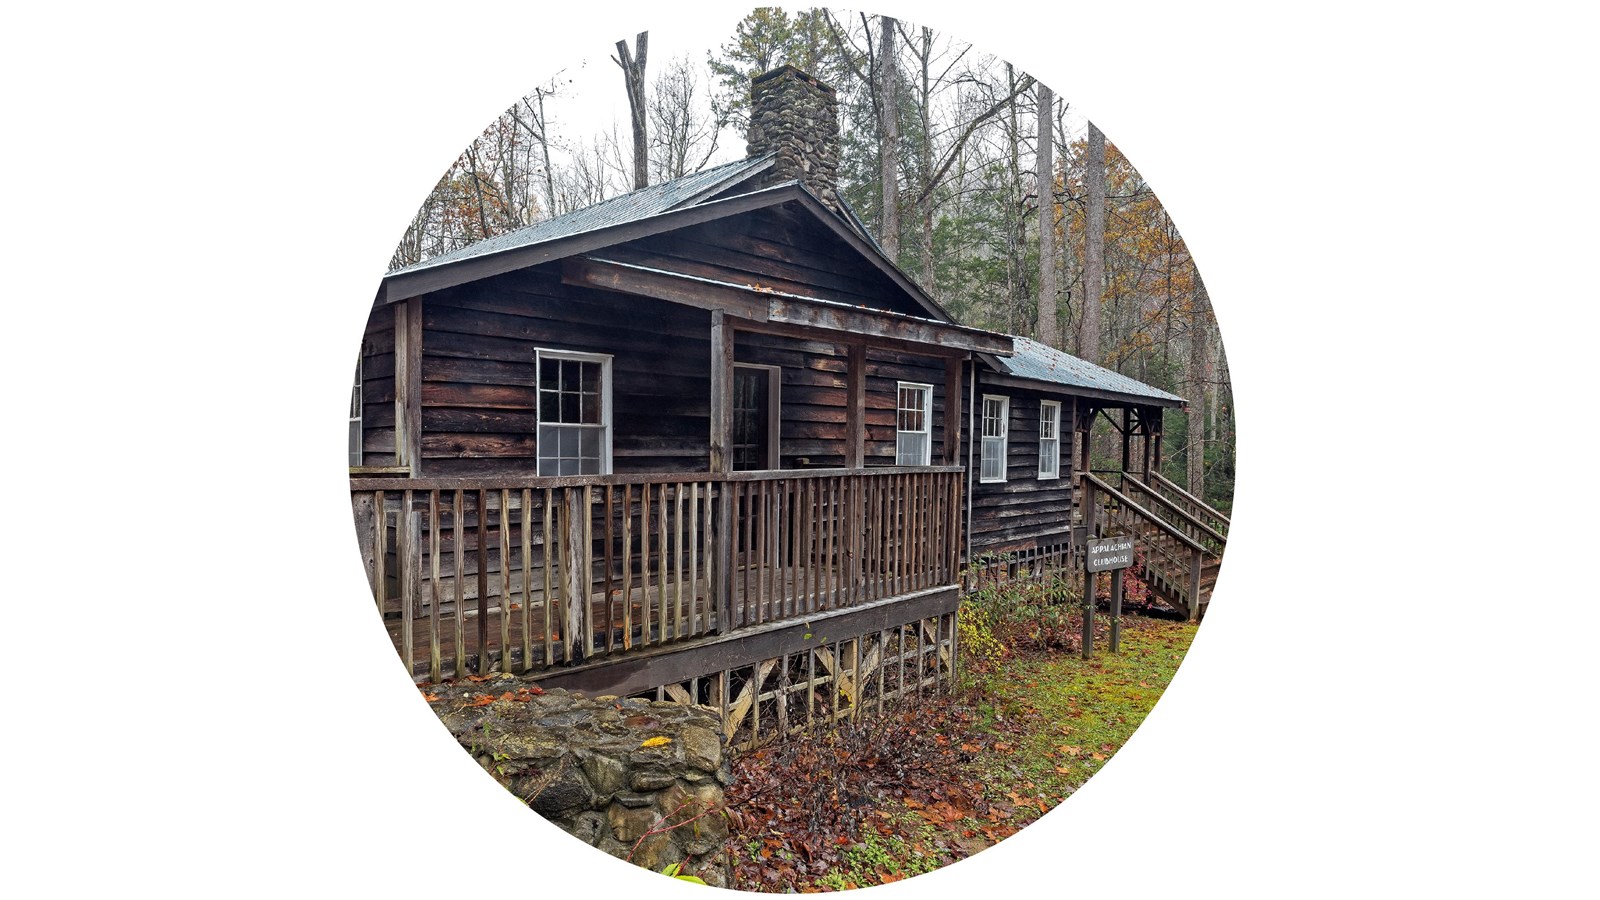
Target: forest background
(988, 187)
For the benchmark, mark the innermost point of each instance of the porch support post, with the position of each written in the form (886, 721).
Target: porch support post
(408, 385)
(1144, 429)
(1127, 437)
(722, 464)
(856, 407)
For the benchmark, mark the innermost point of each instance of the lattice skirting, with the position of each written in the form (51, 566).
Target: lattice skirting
(844, 679)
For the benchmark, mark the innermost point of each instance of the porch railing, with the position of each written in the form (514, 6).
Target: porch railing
(520, 574)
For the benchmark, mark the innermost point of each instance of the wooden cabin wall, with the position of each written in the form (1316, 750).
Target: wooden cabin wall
(816, 391)
(1023, 511)
(812, 399)
(479, 374)
(885, 370)
(775, 248)
(377, 389)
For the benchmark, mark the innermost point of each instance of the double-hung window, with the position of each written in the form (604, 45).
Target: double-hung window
(355, 417)
(574, 413)
(1049, 439)
(913, 413)
(996, 417)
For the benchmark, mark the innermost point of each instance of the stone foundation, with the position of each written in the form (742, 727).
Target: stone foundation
(608, 771)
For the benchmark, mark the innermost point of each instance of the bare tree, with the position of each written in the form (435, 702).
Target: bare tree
(684, 133)
(1094, 251)
(889, 137)
(1199, 347)
(633, 79)
(1045, 171)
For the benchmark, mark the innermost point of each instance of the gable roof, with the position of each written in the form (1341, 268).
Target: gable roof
(623, 208)
(1038, 362)
(689, 200)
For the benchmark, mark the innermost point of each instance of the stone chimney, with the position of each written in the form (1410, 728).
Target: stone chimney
(797, 117)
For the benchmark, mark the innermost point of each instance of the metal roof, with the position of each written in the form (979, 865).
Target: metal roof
(623, 208)
(1040, 362)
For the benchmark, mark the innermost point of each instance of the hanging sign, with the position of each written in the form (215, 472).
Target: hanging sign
(1110, 553)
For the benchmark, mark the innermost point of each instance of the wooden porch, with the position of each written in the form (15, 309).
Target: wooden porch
(526, 575)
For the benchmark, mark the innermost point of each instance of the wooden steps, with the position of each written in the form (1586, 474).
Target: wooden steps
(1179, 541)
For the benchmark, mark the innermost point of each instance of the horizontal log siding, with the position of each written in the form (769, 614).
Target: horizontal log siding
(774, 248)
(1023, 511)
(813, 396)
(479, 374)
(377, 389)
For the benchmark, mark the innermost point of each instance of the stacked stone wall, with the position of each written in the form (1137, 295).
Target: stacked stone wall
(635, 778)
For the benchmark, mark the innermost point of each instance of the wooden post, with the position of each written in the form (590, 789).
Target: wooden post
(575, 588)
(1196, 561)
(1116, 609)
(483, 582)
(1127, 436)
(856, 407)
(1144, 429)
(721, 593)
(366, 517)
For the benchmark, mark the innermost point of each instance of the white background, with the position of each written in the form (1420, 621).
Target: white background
(1393, 212)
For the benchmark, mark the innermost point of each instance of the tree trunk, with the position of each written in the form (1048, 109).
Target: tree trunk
(1094, 251)
(888, 139)
(1199, 345)
(633, 80)
(1049, 328)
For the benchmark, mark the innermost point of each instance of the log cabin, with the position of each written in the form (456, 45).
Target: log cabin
(706, 440)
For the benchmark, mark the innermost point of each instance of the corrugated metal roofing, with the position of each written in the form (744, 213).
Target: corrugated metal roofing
(1040, 362)
(621, 209)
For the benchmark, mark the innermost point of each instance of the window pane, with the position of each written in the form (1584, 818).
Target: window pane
(589, 381)
(550, 374)
(591, 409)
(1048, 457)
(355, 442)
(588, 466)
(569, 467)
(567, 442)
(569, 407)
(549, 406)
(589, 443)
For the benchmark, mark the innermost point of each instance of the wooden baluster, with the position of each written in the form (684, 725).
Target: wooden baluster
(505, 580)
(645, 531)
(405, 550)
(627, 567)
(694, 555)
(482, 534)
(664, 576)
(759, 552)
(527, 580)
(458, 614)
(575, 557)
(380, 550)
(610, 623)
(435, 655)
(586, 585)
(546, 560)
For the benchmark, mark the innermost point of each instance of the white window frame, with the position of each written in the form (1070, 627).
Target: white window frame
(1055, 457)
(927, 422)
(1004, 437)
(604, 359)
(358, 408)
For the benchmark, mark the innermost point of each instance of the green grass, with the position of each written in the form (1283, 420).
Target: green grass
(1065, 716)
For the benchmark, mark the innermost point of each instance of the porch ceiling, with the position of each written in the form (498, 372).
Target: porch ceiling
(759, 304)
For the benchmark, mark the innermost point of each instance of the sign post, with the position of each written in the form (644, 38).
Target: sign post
(1112, 554)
